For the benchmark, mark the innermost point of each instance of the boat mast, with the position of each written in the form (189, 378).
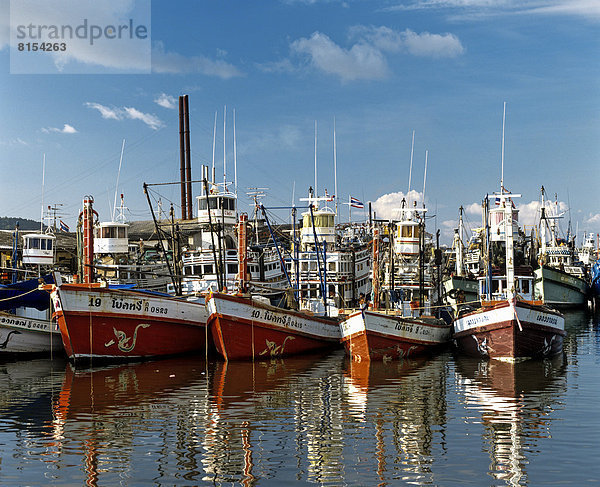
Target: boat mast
(335, 191)
(412, 148)
(43, 183)
(316, 192)
(459, 245)
(224, 147)
(117, 185)
(502, 172)
(543, 223)
(234, 161)
(425, 179)
(214, 142)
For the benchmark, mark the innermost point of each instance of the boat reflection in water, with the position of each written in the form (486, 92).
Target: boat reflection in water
(129, 421)
(399, 408)
(516, 404)
(262, 413)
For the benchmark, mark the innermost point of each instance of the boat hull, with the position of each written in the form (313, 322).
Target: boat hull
(23, 335)
(102, 323)
(508, 331)
(245, 329)
(558, 288)
(369, 335)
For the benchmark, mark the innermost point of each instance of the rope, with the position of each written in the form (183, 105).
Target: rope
(20, 295)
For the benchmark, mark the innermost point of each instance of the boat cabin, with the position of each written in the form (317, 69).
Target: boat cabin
(324, 221)
(222, 206)
(111, 238)
(524, 288)
(39, 249)
(497, 231)
(407, 238)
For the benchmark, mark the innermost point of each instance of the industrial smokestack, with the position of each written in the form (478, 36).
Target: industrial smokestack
(188, 156)
(182, 159)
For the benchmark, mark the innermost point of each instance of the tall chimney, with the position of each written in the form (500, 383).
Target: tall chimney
(188, 156)
(182, 160)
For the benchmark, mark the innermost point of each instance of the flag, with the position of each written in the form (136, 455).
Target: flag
(497, 200)
(328, 197)
(355, 203)
(63, 226)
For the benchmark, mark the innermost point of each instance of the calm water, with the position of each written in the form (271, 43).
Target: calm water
(442, 421)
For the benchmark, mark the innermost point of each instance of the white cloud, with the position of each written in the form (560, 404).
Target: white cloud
(366, 58)
(388, 205)
(106, 112)
(126, 112)
(166, 101)
(424, 44)
(171, 62)
(472, 9)
(432, 45)
(67, 129)
(13, 142)
(361, 61)
(150, 120)
(473, 209)
(593, 219)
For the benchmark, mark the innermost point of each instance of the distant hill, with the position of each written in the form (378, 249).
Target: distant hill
(9, 223)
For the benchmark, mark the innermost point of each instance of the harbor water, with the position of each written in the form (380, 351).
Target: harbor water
(445, 420)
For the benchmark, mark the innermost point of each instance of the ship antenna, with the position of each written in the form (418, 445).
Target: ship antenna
(502, 174)
(43, 183)
(118, 175)
(224, 155)
(425, 177)
(412, 147)
(335, 190)
(316, 192)
(214, 142)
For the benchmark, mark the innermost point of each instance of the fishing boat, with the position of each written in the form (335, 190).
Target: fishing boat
(510, 325)
(390, 333)
(245, 327)
(99, 322)
(25, 324)
(558, 280)
(248, 328)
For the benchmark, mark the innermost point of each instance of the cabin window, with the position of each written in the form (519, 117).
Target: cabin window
(43, 244)
(208, 269)
(49, 245)
(122, 232)
(232, 268)
(34, 243)
(304, 266)
(406, 231)
(331, 266)
(187, 271)
(525, 286)
(212, 203)
(313, 266)
(202, 204)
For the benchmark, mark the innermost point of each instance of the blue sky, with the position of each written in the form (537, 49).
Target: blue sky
(442, 68)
